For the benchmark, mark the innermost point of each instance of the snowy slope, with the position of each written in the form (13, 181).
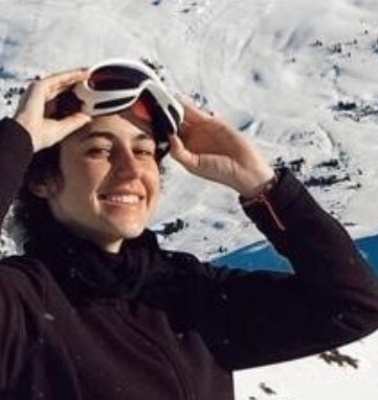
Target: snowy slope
(299, 77)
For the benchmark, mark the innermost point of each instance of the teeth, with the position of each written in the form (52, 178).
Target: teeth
(122, 199)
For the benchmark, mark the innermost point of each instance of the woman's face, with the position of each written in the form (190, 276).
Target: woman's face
(110, 181)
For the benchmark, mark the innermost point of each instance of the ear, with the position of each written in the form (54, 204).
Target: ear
(43, 190)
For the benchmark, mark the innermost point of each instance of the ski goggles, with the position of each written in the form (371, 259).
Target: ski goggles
(117, 85)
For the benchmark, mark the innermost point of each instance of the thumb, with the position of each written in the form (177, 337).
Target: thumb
(73, 123)
(181, 154)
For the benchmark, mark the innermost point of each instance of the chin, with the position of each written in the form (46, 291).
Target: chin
(132, 231)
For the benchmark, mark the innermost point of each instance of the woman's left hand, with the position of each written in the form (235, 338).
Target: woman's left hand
(212, 148)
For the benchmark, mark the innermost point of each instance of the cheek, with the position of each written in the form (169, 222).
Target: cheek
(76, 166)
(83, 179)
(154, 182)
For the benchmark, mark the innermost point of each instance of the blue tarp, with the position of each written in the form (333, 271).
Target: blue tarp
(262, 256)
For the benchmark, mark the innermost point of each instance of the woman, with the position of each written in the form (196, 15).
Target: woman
(96, 310)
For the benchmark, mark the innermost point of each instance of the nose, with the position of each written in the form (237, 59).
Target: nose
(125, 166)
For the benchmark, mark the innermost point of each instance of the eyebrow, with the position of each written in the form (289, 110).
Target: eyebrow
(107, 135)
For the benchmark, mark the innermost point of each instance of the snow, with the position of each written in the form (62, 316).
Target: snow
(298, 77)
(312, 378)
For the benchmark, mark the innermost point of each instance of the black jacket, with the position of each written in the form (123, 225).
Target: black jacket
(77, 323)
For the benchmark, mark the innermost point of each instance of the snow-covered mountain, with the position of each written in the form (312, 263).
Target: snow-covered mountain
(299, 77)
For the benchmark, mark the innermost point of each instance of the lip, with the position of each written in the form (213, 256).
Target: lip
(103, 195)
(110, 194)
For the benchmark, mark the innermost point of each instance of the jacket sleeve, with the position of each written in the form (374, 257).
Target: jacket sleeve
(264, 317)
(15, 154)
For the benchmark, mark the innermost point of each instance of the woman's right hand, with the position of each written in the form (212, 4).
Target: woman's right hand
(30, 114)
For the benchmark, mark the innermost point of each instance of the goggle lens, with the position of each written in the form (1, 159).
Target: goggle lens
(159, 119)
(142, 110)
(116, 78)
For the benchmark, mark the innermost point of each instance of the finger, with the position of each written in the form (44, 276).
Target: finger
(57, 83)
(39, 92)
(181, 154)
(66, 77)
(24, 98)
(73, 123)
(32, 99)
(192, 113)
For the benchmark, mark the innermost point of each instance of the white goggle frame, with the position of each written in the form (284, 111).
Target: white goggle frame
(91, 97)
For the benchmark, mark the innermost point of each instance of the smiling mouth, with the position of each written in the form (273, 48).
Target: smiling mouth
(122, 199)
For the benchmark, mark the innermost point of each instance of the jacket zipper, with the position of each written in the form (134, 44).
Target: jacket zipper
(181, 380)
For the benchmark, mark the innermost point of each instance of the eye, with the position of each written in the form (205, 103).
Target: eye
(98, 147)
(99, 151)
(144, 152)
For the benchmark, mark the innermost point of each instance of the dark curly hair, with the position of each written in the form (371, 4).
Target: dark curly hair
(31, 211)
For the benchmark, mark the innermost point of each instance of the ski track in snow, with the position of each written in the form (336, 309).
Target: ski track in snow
(298, 77)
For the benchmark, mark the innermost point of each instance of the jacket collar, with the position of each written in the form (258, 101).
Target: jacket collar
(84, 271)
